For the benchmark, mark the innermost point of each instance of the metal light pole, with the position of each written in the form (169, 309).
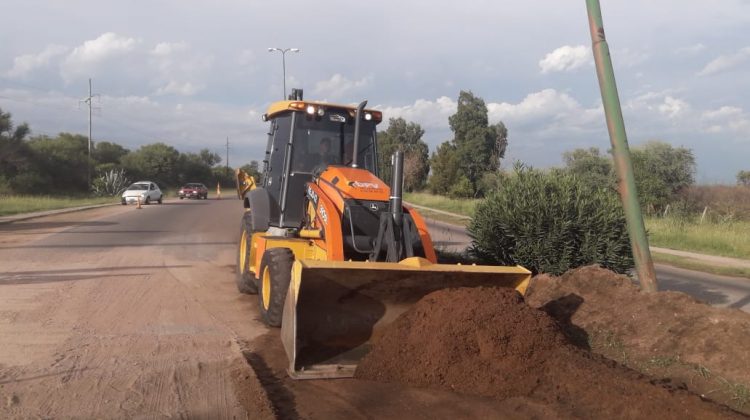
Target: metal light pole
(644, 265)
(283, 52)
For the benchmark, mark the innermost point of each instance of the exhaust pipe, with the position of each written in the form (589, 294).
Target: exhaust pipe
(360, 112)
(397, 183)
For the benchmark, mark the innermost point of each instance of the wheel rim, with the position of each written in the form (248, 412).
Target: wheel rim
(266, 288)
(243, 252)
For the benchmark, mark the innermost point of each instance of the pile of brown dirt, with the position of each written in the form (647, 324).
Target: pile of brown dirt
(664, 334)
(487, 341)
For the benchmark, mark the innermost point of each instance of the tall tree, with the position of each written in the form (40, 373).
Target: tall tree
(406, 137)
(743, 178)
(478, 146)
(445, 168)
(209, 158)
(14, 152)
(158, 162)
(661, 171)
(107, 152)
(60, 163)
(252, 169)
(590, 166)
(499, 133)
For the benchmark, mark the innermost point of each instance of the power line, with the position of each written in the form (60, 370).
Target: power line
(88, 101)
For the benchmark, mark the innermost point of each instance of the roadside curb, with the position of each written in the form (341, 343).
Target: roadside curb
(26, 216)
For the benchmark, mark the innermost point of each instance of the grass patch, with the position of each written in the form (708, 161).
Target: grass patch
(695, 265)
(463, 207)
(458, 221)
(18, 204)
(738, 393)
(609, 344)
(731, 239)
(663, 362)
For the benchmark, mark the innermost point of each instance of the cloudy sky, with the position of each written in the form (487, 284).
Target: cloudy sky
(191, 73)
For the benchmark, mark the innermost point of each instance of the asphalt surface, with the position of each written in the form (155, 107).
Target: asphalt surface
(722, 291)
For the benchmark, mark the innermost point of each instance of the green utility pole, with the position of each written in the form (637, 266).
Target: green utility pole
(644, 265)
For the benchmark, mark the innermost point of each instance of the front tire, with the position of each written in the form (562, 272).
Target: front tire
(148, 200)
(276, 274)
(245, 279)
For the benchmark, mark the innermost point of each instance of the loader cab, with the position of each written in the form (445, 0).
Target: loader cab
(304, 138)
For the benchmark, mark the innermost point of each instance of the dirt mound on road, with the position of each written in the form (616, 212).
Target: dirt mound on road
(664, 334)
(489, 342)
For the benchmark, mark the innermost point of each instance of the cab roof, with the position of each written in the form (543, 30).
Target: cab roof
(280, 107)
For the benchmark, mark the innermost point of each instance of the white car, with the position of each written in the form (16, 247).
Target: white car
(147, 191)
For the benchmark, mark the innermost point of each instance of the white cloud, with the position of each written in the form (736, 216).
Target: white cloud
(546, 109)
(627, 58)
(427, 113)
(177, 88)
(565, 58)
(339, 86)
(673, 107)
(541, 113)
(167, 48)
(106, 45)
(726, 62)
(726, 119)
(691, 49)
(87, 57)
(177, 67)
(25, 64)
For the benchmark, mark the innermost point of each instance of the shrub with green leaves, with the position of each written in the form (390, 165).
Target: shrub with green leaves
(550, 223)
(111, 183)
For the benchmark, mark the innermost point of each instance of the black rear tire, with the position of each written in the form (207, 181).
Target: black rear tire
(160, 199)
(276, 273)
(246, 282)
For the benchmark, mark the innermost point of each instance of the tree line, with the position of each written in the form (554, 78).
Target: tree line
(466, 166)
(61, 165)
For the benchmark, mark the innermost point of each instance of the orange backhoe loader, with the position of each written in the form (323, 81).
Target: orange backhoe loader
(330, 249)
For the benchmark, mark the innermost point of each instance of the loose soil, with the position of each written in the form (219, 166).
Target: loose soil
(664, 334)
(489, 342)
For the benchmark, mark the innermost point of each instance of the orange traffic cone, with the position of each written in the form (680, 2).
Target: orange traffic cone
(218, 191)
(138, 207)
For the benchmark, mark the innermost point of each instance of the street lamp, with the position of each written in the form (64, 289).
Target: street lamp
(283, 52)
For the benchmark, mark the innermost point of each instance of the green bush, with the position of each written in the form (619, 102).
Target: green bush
(461, 188)
(550, 223)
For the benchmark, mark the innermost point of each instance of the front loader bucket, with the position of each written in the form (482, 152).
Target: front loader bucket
(335, 310)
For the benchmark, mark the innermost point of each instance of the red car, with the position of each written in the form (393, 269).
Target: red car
(193, 190)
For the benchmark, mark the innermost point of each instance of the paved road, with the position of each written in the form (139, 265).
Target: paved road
(118, 312)
(717, 290)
